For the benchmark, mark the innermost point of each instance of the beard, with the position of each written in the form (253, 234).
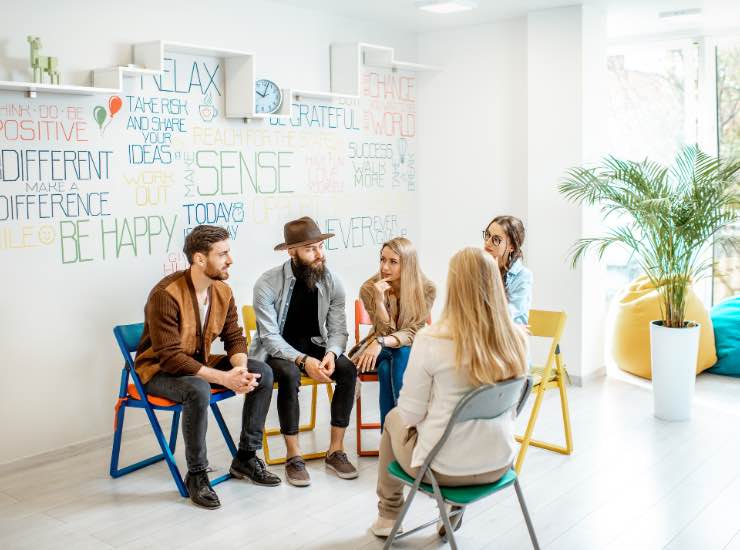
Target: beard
(216, 275)
(311, 273)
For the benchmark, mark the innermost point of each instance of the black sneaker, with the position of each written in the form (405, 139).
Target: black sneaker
(255, 470)
(200, 490)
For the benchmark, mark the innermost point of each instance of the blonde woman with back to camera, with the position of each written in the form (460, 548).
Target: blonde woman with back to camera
(474, 343)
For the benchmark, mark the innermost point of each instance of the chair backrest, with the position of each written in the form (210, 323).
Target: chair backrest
(489, 401)
(128, 337)
(485, 403)
(362, 317)
(250, 322)
(548, 324)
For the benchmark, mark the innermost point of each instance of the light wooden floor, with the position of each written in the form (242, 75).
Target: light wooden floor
(633, 482)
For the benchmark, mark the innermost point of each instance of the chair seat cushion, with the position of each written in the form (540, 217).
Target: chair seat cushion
(464, 494)
(726, 321)
(133, 393)
(635, 307)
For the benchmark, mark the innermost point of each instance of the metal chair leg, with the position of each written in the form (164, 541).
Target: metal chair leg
(527, 519)
(449, 531)
(224, 428)
(399, 519)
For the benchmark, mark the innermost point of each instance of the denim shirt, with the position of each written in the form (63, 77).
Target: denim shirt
(518, 285)
(272, 293)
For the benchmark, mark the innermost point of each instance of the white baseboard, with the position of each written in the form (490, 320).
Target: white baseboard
(67, 451)
(580, 381)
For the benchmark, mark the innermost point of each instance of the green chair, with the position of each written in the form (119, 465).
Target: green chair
(486, 402)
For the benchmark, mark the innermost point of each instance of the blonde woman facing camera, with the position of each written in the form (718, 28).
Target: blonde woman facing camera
(474, 343)
(398, 299)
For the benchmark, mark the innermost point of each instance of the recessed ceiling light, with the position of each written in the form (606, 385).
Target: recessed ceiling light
(689, 13)
(446, 6)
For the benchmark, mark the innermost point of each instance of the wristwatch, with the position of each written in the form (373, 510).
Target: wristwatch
(379, 340)
(302, 362)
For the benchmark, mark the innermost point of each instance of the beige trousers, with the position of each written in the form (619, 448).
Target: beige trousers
(397, 443)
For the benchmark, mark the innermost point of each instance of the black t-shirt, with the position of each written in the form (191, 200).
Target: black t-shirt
(302, 321)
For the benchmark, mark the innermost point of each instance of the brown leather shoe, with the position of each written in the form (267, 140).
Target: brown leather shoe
(296, 473)
(341, 465)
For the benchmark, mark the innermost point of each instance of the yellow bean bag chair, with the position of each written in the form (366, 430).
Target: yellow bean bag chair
(636, 306)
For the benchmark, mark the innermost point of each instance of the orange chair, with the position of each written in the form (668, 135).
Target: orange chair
(362, 318)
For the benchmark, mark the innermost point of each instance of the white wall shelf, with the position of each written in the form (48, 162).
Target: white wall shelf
(346, 65)
(347, 61)
(32, 88)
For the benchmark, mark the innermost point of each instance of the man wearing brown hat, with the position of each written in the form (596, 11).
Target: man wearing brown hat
(302, 328)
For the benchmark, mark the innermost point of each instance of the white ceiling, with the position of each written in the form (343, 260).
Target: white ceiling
(625, 17)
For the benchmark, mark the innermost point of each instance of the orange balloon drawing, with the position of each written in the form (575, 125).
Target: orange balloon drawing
(114, 105)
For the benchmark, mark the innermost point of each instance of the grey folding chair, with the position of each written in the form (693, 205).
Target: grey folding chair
(486, 402)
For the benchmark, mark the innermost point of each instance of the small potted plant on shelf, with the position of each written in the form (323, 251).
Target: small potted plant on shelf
(669, 216)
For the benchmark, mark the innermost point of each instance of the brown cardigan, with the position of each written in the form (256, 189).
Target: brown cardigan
(173, 341)
(405, 335)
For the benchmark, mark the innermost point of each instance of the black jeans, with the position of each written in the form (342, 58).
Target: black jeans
(288, 378)
(194, 393)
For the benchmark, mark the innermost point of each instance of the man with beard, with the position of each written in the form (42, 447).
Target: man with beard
(302, 328)
(184, 313)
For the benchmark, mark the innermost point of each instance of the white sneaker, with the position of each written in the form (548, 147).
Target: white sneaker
(382, 527)
(455, 521)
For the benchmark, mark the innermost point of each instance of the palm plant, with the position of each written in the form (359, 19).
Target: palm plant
(672, 213)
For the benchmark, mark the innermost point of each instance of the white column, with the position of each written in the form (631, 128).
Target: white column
(566, 59)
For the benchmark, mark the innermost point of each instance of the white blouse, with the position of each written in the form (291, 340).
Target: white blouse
(432, 388)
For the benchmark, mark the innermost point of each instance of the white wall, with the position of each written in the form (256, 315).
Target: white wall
(472, 129)
(517, 104)
(60, 366)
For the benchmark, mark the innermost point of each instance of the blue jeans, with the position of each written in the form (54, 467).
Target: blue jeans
(390, 364)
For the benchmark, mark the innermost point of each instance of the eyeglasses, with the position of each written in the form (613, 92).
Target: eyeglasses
(495, 239)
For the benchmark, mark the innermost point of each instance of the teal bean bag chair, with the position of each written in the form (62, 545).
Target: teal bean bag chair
(726, 321)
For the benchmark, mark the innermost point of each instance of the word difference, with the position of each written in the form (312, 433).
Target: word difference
(54, 164)
(359, 231)
(53, 205)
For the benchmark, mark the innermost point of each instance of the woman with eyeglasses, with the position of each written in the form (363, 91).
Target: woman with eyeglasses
(503, 240)
(398, 299)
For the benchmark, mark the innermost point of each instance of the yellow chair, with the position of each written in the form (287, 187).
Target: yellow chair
(250, 324)
(547, 324)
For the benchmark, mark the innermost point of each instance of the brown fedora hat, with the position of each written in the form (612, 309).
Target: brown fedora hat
(301, 232)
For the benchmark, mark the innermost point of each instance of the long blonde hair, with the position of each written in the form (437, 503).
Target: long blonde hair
(412, 305)
(476, 314)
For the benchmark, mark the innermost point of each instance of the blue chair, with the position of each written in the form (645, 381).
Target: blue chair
(133, 395)
(485, 402)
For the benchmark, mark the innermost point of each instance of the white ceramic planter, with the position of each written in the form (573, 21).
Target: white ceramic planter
(673, 352)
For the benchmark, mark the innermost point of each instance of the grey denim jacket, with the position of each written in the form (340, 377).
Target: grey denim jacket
(272, 293)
